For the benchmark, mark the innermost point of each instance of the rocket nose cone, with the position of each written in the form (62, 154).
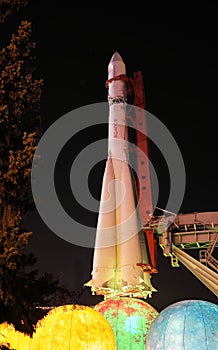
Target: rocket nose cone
(116, 67)
(116, 57)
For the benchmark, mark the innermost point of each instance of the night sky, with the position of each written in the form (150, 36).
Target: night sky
(175, 48)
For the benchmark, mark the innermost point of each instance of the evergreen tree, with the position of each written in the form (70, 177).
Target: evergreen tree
(7, 7)
(21, 289)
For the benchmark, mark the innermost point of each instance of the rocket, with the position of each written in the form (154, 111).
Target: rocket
(120, 251)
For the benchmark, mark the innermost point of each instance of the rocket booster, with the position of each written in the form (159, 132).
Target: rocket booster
(120, 248)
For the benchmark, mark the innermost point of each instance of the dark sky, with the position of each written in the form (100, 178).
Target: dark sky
(175, 48)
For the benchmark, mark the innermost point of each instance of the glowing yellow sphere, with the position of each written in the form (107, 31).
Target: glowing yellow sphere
(73, 327)
(16, 340)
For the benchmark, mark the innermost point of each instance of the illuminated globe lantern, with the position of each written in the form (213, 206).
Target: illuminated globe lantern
(130, 319)
(14, 339)
(73, 327)
(185, 325)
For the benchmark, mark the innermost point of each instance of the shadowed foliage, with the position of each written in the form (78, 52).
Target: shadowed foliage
(8, 7)
(21, 289)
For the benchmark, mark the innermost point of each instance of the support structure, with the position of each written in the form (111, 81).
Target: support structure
(208, 277)
(187, 232)
(143, 170)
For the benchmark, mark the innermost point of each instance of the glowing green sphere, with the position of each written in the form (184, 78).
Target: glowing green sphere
(185, 325)
(130, 319)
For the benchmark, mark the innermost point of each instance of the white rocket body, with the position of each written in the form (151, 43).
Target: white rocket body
(120, 247)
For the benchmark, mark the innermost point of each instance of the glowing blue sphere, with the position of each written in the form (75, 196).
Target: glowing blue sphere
(185, 325)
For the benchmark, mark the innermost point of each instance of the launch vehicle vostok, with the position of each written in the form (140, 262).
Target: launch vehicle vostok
(120, 247)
